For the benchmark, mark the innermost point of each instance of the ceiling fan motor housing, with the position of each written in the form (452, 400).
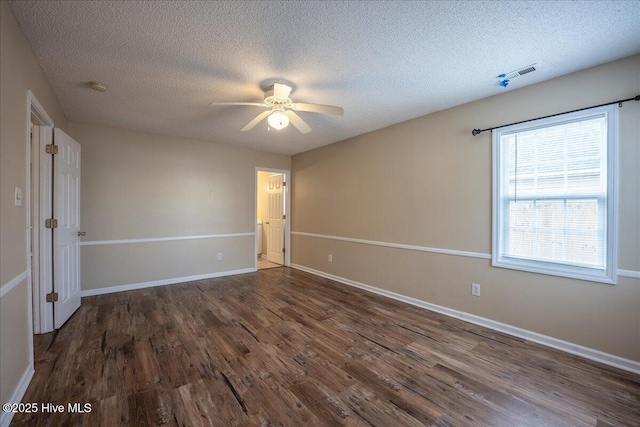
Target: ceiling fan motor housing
(271, 100)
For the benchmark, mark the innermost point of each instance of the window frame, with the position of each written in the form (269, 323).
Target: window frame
(498, 259)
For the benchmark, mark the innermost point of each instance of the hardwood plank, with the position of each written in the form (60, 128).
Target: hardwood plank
(284, 347)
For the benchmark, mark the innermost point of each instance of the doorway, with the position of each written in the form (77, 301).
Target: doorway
(39, 207)
(53, 219)
(272, 218)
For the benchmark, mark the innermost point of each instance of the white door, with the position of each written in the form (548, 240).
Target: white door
(66, 241)
(275, 230)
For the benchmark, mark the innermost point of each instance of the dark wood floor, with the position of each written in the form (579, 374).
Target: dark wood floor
(282, 347)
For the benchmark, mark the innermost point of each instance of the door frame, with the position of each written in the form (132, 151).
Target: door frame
(39, 312)
(286, 191)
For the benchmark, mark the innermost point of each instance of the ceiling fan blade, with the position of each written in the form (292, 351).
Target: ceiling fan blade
(318, 108)
(298, 122)
(281, 91)
(255, 121)
(252, 104)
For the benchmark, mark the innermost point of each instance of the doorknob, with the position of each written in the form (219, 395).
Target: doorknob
(82, 233)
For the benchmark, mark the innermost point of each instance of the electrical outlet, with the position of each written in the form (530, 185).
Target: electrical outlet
(475, 289)
(330, 258)
(219, 256)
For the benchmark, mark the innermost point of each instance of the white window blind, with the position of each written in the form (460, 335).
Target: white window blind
(552, 211)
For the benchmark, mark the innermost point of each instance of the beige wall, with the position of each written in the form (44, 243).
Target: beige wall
(19, 72)
(137, 185)
(427, 182)
(14, 338)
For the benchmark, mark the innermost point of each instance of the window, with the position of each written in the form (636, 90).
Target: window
(554, 195)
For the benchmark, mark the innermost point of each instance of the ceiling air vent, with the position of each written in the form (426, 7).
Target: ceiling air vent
(527, 70)
(503, 79)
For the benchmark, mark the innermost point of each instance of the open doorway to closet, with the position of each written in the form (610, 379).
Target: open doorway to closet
(272, 218)
(39, 208)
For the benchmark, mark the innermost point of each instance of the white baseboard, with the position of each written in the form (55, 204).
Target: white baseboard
(578, 350)
(163, 282)
(18, 394)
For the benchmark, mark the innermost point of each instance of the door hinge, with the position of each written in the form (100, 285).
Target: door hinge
(52, 297)
(283, 250)
(284, 217)
(51, 223)
(51, 149)
(284, 183)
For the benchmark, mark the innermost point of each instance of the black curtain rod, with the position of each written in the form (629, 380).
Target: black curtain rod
(479, 131)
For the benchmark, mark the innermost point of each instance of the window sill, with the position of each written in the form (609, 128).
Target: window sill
(591, 275)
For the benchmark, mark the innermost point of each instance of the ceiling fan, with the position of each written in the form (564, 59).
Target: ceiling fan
(281, 109)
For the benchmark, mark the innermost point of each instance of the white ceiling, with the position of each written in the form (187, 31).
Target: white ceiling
(384, 62)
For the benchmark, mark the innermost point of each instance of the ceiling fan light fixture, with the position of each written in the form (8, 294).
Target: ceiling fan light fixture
(280, 110)
(278, 120)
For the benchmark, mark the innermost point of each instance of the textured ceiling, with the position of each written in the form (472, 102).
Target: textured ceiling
(384, 62)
